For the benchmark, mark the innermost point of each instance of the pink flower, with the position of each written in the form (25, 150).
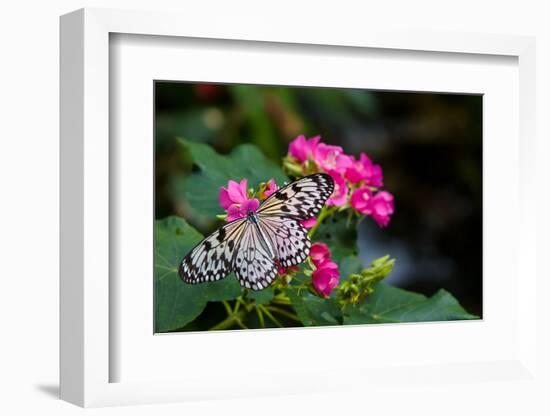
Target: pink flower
(382, 208)
(270, 188)
(364, 170)
(235, 193)
(319, 254)
(339, 196)
(309, 223)
(325, 278)
(286, 270)
(361, 200)
(331, 158)
(237, 211)
(301, 148)
(235, 200)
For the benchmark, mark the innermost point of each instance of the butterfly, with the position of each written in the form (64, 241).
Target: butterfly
(254, 247)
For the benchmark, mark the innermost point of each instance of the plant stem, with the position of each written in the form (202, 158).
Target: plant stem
(325, 212)
(240, 323)
(237, 305)
(260, 317)
(282, 301)
(283, 312)
(234, 316)
(270, 316)
(229, 322)
(227, 308)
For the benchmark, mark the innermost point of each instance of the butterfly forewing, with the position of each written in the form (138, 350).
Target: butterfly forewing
(301, 199)
(212, 258)
(288, 238)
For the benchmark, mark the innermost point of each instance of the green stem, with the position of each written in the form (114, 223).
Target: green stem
(325, 212)
(281, 301)
(260, 317)
(234, 316)
(283, 312)
(240, 323)
(227, 308)
(270, 316)
(229, 322)
(237, 305)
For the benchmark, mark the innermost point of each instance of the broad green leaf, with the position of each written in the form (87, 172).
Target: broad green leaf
(201, 189)
(313, 310)
(392, 305)
(262, 296)
(178, 303)
(339, 234)
(349, 265)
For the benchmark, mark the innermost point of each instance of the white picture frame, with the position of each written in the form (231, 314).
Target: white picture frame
(87, 356)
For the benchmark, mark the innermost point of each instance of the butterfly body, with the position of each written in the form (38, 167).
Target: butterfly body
(253, 218)
(255, 246)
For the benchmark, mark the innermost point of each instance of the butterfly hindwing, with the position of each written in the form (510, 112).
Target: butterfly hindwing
(212, 258)
(254, 266)
(288, 238)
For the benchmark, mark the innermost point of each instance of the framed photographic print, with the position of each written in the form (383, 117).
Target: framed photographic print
(232, 161)
(230, 203)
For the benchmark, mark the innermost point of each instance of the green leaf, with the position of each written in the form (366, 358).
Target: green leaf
(178, 303)
(200, 190)
(313, 310)
(262, 296)
(349, 265)
(339, 234)
(392, 305)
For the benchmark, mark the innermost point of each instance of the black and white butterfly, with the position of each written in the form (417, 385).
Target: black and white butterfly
(273, 236)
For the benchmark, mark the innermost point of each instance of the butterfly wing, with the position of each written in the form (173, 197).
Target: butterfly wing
(288, 238)
(212, 259)
(237, 247)
(301, 199)
(253, 264)
(281, 214)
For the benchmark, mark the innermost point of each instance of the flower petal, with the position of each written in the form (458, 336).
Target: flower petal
(382, 208)
(298, 148)
(250, 205)
(224, 199)
(235, 192)
(309, 223)
(234, 213)
(339, 196)
(361, 200)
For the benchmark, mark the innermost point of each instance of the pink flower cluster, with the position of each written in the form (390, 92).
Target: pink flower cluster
(357, 181)
(326, 275)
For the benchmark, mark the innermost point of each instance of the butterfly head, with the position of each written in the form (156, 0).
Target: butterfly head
(252, 217)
